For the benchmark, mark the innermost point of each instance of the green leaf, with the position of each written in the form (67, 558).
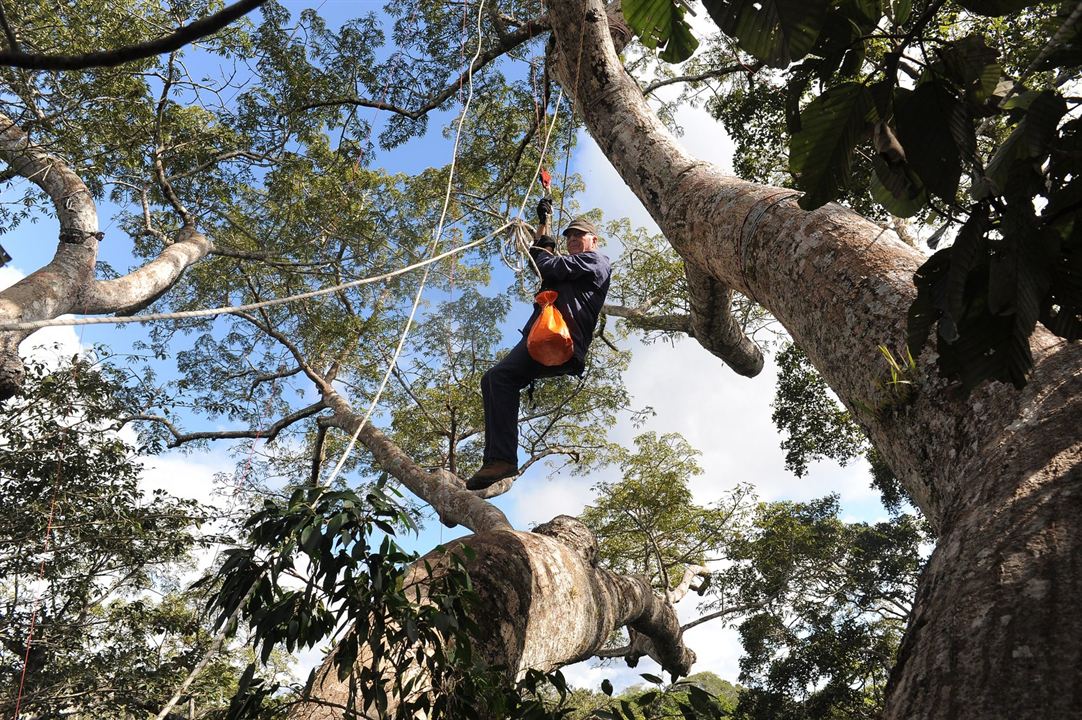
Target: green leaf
(778, 32)
(966, 58)
(606, 687)
(997, 7)
(661, 24)
(928, 119)
(898, 10)
(1029, 141)
(820, 154)
(897, 188)
(652, 678)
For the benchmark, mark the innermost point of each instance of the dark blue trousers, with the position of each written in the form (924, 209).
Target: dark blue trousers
(500, 388)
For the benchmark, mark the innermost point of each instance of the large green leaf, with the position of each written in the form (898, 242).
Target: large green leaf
(928, 120)
(1030, 141)
(997, 7)
(661, 24)
(897, 188)
(821, 153)
(898, 10)
(774, 31)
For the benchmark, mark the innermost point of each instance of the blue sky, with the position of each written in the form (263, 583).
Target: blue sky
(726, 416)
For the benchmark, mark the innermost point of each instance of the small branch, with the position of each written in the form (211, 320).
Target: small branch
(317, 454)
(109, 58)
(159, 149)
(710, 74)
(734, 610)
(508, 42)
(269, 435)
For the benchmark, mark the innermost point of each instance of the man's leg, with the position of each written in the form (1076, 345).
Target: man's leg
(500, 389)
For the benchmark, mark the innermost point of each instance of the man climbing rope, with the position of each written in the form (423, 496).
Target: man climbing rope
(581, 280)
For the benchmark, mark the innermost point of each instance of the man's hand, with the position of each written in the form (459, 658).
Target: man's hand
(544, 211)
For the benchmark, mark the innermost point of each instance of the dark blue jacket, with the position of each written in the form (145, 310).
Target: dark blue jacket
(581, 282)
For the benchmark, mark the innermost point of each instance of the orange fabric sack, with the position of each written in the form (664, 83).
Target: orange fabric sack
(549, 341)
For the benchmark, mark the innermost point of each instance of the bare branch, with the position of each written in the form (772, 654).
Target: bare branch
(507, 42)
(269, 434)
(642, 320)
(734, 610)
(109, 58)
(690, 573)
(708, 75)
(159, 149)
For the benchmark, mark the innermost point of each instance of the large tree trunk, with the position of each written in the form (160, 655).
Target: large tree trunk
(997, 625)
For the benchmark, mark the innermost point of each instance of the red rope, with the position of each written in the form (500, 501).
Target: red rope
(41, 570)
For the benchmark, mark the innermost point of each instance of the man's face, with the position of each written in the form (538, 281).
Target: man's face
(579, 241)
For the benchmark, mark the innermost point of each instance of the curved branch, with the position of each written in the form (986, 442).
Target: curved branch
(270, 434)
(56, 288)
(507, 42)
(109, 58)
(140, 288)
(715, 327)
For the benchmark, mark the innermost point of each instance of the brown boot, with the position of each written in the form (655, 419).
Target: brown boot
(491, 472)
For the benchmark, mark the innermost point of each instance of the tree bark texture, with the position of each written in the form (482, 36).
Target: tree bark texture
(543, 603)
(997, 625)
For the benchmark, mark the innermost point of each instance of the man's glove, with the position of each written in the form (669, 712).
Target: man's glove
(544, 210)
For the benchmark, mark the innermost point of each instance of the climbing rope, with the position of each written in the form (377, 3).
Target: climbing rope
(435, 244)
(224, 310)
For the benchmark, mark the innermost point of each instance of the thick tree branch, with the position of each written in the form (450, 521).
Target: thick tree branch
(715, 327)
(690, 573)
(108, 58)
(138, 289)
(58, 287)
(643, 320)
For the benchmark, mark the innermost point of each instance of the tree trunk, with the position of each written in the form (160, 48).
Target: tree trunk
(996, 627)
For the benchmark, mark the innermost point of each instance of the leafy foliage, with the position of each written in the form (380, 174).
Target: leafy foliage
(961, 116)
(647, 523)
(88, 560)
(325, 566)
(832, 600)
(661, 24)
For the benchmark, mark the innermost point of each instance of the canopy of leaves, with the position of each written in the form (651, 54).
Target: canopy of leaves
(832, 599)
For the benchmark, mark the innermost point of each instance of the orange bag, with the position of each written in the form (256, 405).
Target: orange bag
(549, 341)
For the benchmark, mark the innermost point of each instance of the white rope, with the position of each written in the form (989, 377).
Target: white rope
(435, 244)
(210, 312)
(519, 232)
